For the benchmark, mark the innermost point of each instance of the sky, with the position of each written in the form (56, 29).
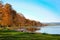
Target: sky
(39, 10)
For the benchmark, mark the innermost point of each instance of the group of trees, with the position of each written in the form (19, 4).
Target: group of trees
(10, 18)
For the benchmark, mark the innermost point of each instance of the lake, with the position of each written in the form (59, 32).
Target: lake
(50, 29)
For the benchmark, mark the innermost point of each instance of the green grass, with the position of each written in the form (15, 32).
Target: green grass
(14, 35)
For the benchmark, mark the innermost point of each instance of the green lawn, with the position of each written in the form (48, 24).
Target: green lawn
(14, 35)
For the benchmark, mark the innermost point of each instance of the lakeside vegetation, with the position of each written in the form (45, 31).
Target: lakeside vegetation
(15, 35)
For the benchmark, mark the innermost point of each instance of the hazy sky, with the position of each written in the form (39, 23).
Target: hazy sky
(40, 10)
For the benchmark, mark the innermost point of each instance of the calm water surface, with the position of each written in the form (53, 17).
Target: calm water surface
(50, 29)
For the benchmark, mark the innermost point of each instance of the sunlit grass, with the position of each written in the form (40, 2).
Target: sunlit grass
(14, 35)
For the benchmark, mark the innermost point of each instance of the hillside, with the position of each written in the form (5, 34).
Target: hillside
(9, 17)
(13, 20)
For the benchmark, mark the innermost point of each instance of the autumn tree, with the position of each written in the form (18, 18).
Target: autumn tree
(7, 18)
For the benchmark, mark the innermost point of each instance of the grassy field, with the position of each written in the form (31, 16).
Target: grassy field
(14, 35)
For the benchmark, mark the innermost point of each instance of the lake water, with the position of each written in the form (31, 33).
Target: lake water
(50, 29)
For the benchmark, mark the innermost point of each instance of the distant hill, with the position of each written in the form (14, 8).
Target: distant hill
(53, 24)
